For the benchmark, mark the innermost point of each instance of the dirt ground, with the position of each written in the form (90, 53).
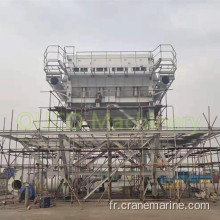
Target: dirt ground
(94, 211)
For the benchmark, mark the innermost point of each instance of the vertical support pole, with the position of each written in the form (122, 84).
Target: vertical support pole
(42, 175)
(210, 147)
(22, 168)
(154, 154)
(109, 158)
(26, 203)
(9, 155)
(109, 173)
(143, 162)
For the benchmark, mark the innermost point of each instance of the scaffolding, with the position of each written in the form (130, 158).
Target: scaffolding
(136, 157)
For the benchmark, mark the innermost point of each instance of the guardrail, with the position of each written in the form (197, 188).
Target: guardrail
(56, 59)
(165, 60)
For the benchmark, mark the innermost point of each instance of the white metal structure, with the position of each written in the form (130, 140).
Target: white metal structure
(123, 77)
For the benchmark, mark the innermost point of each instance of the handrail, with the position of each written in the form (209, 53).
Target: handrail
(162, 53)
(59, 51)
(165, 53)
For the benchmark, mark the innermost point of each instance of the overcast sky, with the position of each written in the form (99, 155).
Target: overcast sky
(192, 27)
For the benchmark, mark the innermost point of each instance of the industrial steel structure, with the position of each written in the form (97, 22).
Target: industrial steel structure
(108, 135)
